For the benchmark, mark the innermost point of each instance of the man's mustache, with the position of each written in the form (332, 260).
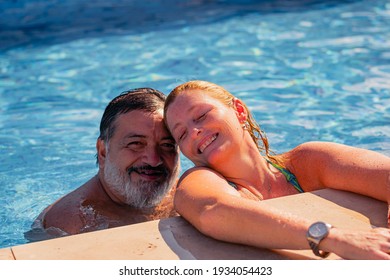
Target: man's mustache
(147, 169)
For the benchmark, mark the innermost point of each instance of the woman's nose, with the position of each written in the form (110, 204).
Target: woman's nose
(195, 132)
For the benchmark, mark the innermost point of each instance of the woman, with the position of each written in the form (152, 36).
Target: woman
(235, 170)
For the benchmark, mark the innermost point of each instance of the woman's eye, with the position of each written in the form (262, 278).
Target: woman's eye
(201, 117)
(182, 135)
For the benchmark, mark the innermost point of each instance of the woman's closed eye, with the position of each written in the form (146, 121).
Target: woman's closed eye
(182, 135)
(201, 117)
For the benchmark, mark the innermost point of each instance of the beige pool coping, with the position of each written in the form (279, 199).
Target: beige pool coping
(175, 239)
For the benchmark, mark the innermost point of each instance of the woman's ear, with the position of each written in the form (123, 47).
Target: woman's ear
(101, 152)
(240, 109)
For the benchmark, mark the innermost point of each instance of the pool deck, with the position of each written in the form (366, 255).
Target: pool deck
(175, 239)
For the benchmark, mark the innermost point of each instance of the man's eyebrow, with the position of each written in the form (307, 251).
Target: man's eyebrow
(170, 138)
(133, 135)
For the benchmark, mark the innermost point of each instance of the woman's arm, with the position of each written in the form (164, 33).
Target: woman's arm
(206, 200)
(337, 166)
(214, 207)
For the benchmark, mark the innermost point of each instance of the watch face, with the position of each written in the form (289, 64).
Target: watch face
(318, 230)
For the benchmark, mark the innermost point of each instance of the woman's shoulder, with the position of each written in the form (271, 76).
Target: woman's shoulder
(316, 148)
(309, 161)
(200, 172)
(318, 145)
(315, 153)
(206, 180)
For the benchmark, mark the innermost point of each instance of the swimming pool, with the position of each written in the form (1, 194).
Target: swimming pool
(310, 70)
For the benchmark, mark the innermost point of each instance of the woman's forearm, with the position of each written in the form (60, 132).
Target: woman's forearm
(251, 223)
(244, 221)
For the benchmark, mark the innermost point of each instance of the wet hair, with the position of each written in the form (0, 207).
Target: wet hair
(145, 99)
(257, 134)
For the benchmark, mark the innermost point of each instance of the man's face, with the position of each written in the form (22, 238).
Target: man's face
(140, 161)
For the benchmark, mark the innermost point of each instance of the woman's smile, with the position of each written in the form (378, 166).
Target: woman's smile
(206, 142)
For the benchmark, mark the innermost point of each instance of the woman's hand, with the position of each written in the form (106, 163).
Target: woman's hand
(373, 244)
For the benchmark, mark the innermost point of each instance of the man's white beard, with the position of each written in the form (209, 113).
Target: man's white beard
(136, 194)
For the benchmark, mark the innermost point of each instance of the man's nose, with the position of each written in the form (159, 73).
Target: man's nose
(152, 156)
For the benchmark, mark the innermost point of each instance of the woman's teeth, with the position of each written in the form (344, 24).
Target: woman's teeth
(208, 142)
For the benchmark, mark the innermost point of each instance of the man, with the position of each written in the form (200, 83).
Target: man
(138, 165)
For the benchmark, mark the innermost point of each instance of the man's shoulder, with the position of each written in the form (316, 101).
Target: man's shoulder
(63, 213)
(71, 200)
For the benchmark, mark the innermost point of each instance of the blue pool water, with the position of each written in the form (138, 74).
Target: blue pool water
(310, 70)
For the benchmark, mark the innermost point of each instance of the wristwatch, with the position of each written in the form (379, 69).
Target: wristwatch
(315, 234)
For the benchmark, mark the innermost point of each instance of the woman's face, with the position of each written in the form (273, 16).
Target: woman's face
(205, 129)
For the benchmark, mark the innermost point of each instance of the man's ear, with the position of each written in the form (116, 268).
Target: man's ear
(240, 109)
(101, 152)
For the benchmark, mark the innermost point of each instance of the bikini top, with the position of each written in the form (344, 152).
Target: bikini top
(289, 177)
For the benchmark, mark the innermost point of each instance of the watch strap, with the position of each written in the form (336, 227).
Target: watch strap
(317, 251)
